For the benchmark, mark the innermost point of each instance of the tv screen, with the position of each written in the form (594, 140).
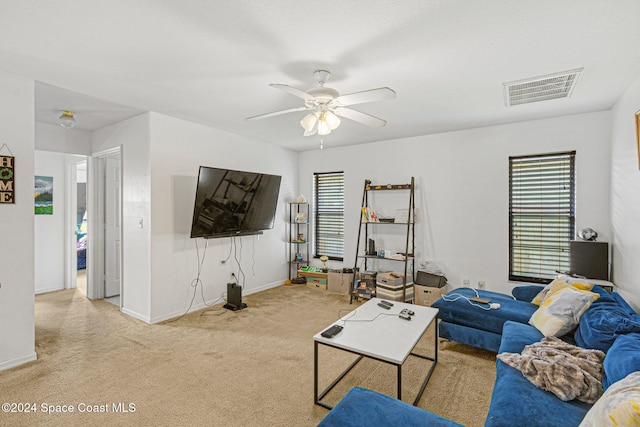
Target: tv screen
(232, 203)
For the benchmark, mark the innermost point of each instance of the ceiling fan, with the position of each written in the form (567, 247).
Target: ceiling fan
(326, 106)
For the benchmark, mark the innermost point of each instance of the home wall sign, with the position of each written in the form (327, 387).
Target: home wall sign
(7, 177)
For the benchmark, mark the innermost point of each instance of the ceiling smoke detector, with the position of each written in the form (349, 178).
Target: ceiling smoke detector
(542, 88)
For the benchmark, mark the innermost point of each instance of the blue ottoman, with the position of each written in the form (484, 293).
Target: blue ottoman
(476, 324)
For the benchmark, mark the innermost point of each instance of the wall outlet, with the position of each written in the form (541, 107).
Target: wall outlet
(466, 283)
(480, 284)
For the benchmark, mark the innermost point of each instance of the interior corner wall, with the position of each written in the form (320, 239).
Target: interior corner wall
(17, 303)
(178, 149)
(462, 188)
(625, 195)
(132, 136)
(55, 138)
(49, 229)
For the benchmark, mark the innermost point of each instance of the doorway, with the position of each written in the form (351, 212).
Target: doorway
(81, 226)
(104, 219)
(76, 234)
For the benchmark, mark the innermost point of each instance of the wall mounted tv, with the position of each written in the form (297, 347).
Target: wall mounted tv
(234, 203)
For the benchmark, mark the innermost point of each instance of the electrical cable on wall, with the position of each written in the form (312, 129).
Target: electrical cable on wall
(197, 281)
(253, 257)
(240, 276)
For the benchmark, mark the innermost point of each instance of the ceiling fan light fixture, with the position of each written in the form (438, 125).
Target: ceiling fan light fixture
(309, 121)
(66, 119)
(331, 119)
(323, 128)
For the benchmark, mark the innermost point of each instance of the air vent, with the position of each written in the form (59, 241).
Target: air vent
(543, 88)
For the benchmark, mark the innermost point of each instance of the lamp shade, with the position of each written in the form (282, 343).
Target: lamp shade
(309, 121)
(323, 128)
(332, 120)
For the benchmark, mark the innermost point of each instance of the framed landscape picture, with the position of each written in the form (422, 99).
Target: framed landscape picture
(43, 195)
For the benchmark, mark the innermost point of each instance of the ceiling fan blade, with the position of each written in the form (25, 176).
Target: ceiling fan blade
(357, 116)
(293, 91)
(277, 113)
(366, 96)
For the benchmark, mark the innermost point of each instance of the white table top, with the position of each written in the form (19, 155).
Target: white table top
(372, 331)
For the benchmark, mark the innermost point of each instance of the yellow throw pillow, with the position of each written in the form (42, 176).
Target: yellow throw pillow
(560, 311)
(618, 406)
(562, 282)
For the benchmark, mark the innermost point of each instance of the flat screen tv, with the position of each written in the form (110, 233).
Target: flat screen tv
(234, 203)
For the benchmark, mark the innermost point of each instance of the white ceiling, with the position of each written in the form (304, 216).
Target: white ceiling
(211, 62)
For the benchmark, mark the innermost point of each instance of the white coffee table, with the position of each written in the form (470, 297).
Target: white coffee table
(374, 332)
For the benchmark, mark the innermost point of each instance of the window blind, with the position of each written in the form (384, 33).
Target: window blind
(541, 215)
(329, 215)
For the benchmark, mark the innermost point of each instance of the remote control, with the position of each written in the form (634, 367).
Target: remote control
(386, 303)
(404, 316)
(384, 306)
(332, 331)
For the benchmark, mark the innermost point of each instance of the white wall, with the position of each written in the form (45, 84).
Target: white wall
(462, 193)
(133, 136)
(56, 138)
(17, 326)
(178, 148)
(49, 229)
(625, 195)
(161, 156)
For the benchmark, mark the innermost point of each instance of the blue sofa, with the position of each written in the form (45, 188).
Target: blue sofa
(472, 325)
(610, 325)
(365, 408)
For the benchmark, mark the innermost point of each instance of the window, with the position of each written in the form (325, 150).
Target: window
(541, 215)
(329, 215)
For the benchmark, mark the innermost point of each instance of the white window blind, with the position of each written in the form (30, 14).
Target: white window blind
(541, 215)
(329, 215)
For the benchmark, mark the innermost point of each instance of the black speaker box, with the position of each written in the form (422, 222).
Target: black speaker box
(234, 297)
(589, 259)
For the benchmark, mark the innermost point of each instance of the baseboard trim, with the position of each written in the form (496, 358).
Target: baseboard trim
(17, 362)
(46, 290)
(201, 305)
(135, 315)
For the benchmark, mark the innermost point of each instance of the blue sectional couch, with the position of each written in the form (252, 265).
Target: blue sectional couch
(476, 326)
(366, 408)
(609, 325)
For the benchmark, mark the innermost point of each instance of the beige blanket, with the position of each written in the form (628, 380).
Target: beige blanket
(565, 370)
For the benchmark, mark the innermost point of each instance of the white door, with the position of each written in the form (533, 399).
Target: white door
(112, 255)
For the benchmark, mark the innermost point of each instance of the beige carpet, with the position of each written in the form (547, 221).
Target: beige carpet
(219, 368)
